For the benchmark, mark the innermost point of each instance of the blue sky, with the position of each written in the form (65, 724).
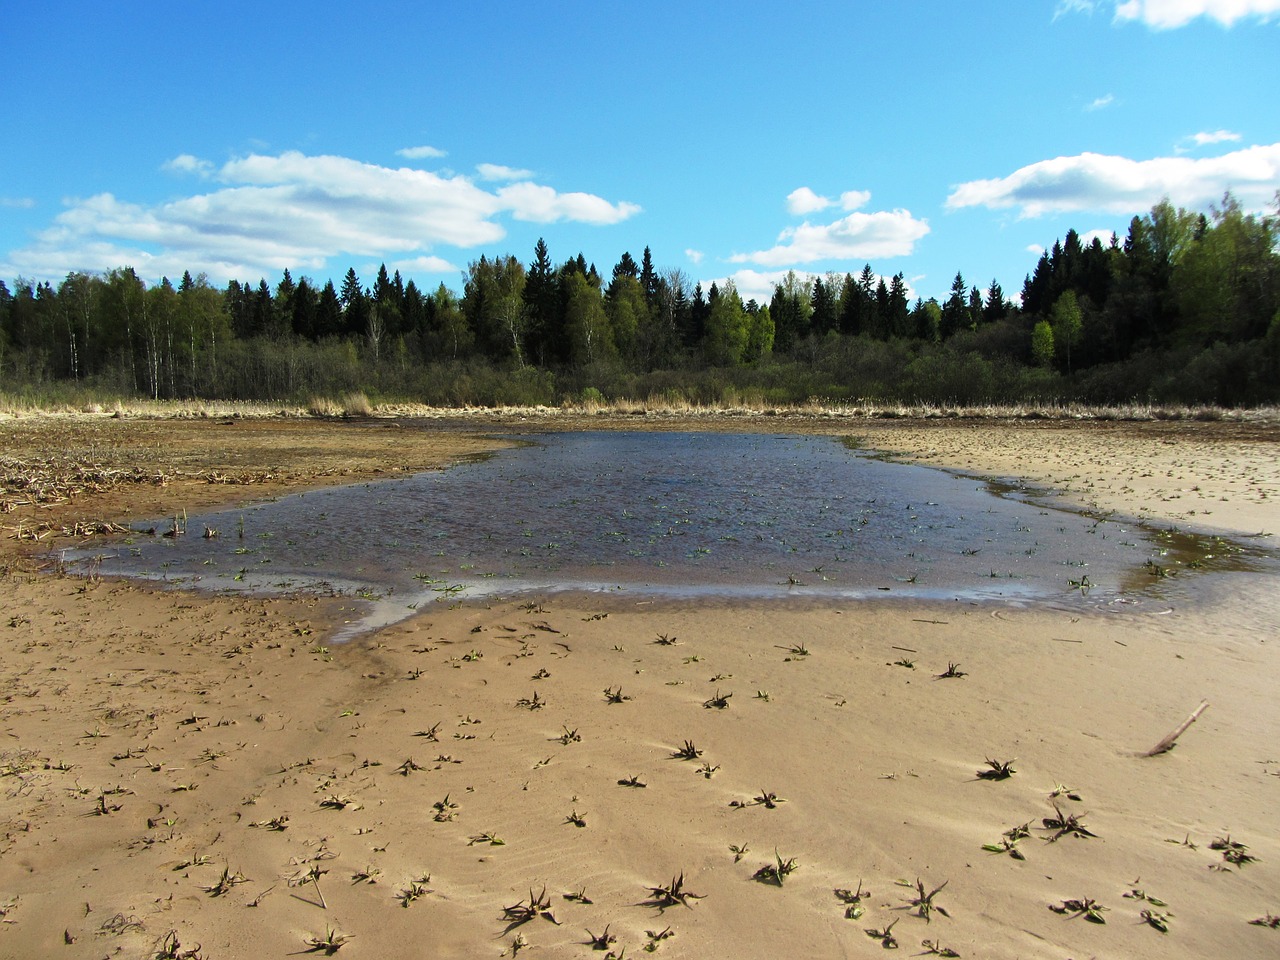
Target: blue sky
(736, 140)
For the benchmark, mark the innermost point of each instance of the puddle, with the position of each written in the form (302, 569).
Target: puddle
(674, 515)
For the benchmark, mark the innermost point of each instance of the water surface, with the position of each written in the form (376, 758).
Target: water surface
(668, 514)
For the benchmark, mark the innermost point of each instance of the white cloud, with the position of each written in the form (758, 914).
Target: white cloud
(420, 153)
(858, 236)
(539, 204)
(802, 200)
(425, 264)
(750, 284)
(695, 256)
(186, 163)
(1035, 248)
(1101, 103)
(1205, 138)
(1092, 181)
(758, 285)
(1217, 136)
(854, 199)
(17, 203)
(1087, 238)
(495, 171)
(296, 211)
(1168, 14)
(1073, 6)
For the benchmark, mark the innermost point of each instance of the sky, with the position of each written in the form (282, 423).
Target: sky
(735, 140)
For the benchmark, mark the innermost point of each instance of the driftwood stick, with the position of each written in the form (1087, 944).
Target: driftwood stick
(1167, 743)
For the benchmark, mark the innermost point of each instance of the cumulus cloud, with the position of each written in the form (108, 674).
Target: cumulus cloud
(854, 199)
(1168, 14)
(758, 285)
(1092, 181)
(297, 211)
(185, 163)
(425, 264)
(1205, 138)
(858, 236)
(1217, 136)
(1087, 238)
(540, 204)
(496, 171)
(695, 256)
(751, 284)
(420, 153)
(803, 201)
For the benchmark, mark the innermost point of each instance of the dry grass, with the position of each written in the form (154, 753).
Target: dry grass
(358, 404)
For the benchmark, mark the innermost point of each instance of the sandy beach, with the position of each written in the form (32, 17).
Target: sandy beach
(186, 774)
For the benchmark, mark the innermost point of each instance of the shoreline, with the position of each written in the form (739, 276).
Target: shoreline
(147, 729)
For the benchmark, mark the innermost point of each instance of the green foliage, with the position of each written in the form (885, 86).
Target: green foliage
(1185, 309)
(1066, 322)
(1042, 343)
(725, 340)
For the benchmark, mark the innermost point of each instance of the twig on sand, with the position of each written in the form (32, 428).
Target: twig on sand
(1167, 743)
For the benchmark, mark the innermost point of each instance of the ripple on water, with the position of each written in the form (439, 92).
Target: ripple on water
(672, 515)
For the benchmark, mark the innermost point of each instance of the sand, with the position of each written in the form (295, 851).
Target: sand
(210, 770)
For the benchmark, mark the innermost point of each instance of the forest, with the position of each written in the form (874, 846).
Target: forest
(1183, 309)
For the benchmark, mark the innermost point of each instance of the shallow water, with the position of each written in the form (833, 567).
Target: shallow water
(673, 514)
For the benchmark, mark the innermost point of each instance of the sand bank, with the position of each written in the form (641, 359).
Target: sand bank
(210, 769)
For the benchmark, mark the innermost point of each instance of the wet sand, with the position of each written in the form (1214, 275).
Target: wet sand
(211, 769)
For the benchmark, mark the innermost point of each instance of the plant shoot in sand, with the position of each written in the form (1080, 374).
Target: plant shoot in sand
(444, 809)
(673, 894)
(655, 939)
(170, 948)
(416, 890)
(923, 902)
(329, 944)
(765, 799)
(600, 941)
(226, 882)
(1009, 842)
(531, 703)
(885, 936)
(1232, 852)
(687, 752)
(1066, 823)
(538, 905)
(1088, 908)
(997, 770)
(852, 899)
(778, 871)
(719, 701)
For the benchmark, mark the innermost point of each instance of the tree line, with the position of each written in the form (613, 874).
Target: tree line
(1185, 307)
